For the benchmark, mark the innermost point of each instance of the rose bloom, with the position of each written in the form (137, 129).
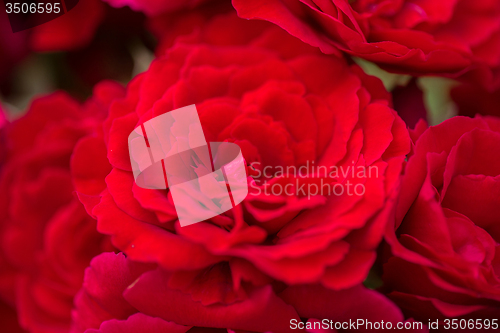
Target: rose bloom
(121, 295)
(409, 36)
(110, 53)
(73, 30)
(408, 101)
(284, 103)
(472, 99)
(156, 7)
(13, 47)
(46, 237)
(3, 148)
(8, 316)
(445, 243)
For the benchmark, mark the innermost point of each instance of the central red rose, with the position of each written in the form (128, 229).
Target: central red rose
(285, 104)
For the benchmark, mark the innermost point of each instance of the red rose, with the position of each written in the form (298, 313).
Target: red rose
(120, 295)
(110, 53)
(411, 36)
(472, 99)
(284, 104)
(3, 148)
(408, 101)
(8, 318)
(96, 39)
(155, 7)
(72, 30)
(167, 27)
(446, 253)
(3, 118)
(13, 46)
(46, 237)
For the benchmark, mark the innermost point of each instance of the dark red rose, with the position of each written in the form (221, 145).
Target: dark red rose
(110, 53)
(46, 237)
(445, 243)
(96, 42)
(8, 318)
(472, 99)
(73, 30)
(13, 47)
(167, 27)
(3, 147)
(285, 104)
(120, 295)
(408, 101)
(410, 36)
(3, 118)
(155, 7)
